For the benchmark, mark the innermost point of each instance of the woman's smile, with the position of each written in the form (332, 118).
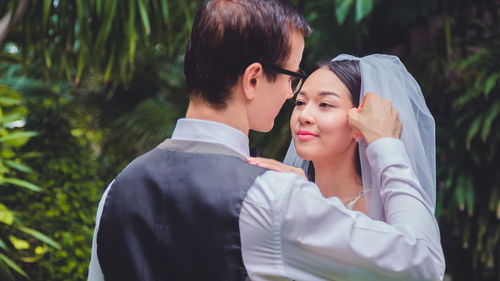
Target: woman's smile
(304, 135)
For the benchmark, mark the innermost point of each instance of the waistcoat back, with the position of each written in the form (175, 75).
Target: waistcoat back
(173, 214)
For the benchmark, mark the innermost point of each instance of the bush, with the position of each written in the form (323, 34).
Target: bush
(68, 172)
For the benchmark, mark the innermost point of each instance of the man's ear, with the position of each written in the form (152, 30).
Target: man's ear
(250, 79)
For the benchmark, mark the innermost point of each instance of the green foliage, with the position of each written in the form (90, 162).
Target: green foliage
(96, 37)
(464, 94)
(362, 9)
(149, 106)
(17, 241)
(469, 163)
(68, 169)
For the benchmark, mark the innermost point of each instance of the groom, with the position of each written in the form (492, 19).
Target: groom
(193, 209)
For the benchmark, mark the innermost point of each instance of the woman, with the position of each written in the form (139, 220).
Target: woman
(321, 134)
(326, 147)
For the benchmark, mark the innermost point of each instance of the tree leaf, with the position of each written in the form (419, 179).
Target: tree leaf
(144, 16)
(131, 33)
(13, 114)
(46, 55)
(99, 7)
(342, 8)
(40, 236)
(11, 58)
(80, 64)
(490, 83)
(19, 244)
(110, 11)
(32, 154)
(469, 197)
(465, 98)
(165, 10)
(31, 259)
(109, 66)
(18, 138)
(18, 166)
(488, 120)
(40, 250)
(9, 97)
(8, 101)
(13, 265)
(483, 227)
(46, 10)
(498, 209)
(21, 183)
(494, 198)
(363, 8)
(6, 215)
(469, 61)
(2, 244)
(460, 192)
(473, 129)
(466, 235)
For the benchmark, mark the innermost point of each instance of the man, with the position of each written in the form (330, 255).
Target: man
(193, 209)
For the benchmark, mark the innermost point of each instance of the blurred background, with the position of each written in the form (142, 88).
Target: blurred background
(88, 85)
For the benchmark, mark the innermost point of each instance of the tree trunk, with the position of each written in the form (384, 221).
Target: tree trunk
(5, 22)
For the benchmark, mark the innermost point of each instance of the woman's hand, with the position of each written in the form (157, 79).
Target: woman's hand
(275, 165)
(375, 118)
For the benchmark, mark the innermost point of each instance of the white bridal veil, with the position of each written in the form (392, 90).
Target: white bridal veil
(386, 76)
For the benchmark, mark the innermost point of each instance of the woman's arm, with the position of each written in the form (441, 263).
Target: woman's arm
(323, 237)
(309, 237)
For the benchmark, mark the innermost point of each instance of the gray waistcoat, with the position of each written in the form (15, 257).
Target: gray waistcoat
(173, 214)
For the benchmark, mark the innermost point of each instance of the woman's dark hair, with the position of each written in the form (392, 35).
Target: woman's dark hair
(349, 72)
(229, 35)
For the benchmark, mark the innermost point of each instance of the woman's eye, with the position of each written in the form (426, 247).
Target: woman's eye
(299, 102)
(323, 104)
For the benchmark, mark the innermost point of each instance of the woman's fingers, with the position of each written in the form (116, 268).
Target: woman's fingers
(375, 119)
(268, 164)
(275, 165)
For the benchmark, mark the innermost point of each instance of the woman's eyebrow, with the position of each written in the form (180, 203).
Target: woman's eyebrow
(326, 93)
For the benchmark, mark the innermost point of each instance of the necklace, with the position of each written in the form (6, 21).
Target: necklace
(352, 198)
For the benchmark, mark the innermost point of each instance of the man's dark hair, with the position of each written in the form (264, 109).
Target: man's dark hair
(229, 35)
(349, 72)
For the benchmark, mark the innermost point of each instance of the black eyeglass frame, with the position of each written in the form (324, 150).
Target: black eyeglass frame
(301, 75)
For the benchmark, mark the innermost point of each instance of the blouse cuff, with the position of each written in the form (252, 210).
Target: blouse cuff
(385, 152)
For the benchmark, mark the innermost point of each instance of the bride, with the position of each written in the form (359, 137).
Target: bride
(332, 154)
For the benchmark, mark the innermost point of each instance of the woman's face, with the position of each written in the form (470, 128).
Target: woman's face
(319, 120)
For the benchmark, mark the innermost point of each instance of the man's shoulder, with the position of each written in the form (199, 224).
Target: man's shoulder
(160, 162)
(137, 166)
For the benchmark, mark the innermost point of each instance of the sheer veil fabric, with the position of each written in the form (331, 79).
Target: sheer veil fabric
(386, 76)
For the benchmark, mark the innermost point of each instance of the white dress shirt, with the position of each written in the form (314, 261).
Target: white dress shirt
(289, 231)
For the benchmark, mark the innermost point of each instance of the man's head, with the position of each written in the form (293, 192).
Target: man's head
(228, 36)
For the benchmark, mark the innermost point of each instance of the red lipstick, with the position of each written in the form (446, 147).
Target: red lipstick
(305, 135)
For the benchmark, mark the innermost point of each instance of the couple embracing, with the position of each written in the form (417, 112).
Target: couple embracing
(354, 199)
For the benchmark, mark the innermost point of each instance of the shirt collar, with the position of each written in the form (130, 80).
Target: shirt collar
(214, 132)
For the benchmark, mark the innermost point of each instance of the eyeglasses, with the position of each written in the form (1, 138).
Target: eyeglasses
(297, 78)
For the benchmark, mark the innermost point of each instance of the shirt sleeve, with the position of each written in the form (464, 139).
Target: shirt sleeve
(319, 239)
(95, 272)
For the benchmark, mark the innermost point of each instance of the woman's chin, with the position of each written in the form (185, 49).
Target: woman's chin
(304, 154)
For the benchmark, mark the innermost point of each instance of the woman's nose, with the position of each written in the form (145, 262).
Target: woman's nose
(306, 116)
